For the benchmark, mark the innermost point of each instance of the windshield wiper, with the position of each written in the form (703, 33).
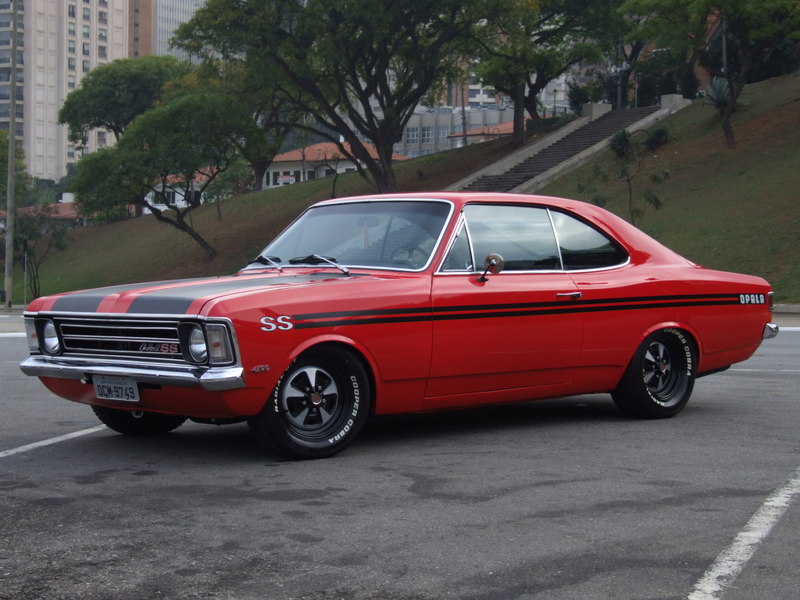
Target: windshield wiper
(270, 261)
(317, 259)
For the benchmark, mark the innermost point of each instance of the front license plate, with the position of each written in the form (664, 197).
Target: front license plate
(123, 389)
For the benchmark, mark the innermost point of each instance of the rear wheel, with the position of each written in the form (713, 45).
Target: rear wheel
(660, 377)
(137, 422)
(318, 407)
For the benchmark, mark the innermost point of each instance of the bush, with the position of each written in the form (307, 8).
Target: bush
(718, 92)
(656, 138)
(579, 95)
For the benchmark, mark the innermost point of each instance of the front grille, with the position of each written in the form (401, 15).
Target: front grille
(155, 340)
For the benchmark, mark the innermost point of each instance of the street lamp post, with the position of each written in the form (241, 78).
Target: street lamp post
(8, 281)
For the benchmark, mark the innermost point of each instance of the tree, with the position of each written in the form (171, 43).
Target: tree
(42, 191)
(624, 40)
(663, 72)
(358, 67)
(756, 30)
(629, 155)
(679, 31)
(236, 180)
(265, 117)
(174, 151)
(753, 32)
(533, 43)
(37, 232)
(112, 95)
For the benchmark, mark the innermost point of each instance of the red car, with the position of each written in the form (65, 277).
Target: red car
(397, 304)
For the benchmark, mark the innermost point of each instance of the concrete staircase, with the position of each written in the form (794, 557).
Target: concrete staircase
(532, 167)
(562, 150)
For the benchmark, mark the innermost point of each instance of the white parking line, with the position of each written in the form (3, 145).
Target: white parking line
(730, 563)
(9, 335)
(49, 442)
(738, 370)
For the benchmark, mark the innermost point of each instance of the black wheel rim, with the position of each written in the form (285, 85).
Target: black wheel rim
(311, 402)
(664, 377)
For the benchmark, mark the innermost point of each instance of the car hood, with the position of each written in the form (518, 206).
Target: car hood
(184, 296)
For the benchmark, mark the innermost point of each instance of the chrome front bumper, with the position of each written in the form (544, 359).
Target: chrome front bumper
(209, 378)
(770, 331)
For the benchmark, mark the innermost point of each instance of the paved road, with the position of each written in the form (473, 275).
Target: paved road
(554, 500)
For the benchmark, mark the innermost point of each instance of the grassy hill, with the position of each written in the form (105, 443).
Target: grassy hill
(728, 209)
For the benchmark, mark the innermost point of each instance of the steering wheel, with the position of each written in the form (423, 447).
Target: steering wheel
(409, 253)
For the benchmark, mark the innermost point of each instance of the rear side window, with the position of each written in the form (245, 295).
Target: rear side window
(584, 247)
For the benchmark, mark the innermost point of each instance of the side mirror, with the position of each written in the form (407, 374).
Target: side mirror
(493, 264)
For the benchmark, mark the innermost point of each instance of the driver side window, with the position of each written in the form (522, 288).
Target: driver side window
(522, 235)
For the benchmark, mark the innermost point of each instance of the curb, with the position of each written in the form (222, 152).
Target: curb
(787, 309)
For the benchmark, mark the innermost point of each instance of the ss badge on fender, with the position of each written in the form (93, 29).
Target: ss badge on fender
(282, 323)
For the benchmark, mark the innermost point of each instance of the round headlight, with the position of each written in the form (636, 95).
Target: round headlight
(50, 341)
(198, 349)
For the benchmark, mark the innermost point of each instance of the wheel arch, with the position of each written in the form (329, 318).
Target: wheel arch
(332, 343)
(690, 332)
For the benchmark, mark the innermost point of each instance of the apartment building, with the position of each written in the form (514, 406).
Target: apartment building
(153, 23)
(57, 43)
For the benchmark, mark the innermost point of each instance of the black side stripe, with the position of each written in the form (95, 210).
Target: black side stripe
(449, 313)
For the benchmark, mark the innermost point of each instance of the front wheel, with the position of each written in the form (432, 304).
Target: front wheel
(660, 377)
(137, 422)
(318, 407)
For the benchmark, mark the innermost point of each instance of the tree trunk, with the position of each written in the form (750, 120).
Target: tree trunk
(259, 170)
(630, 201)
(34, 282)
(727, 128)
(180, 223)
(211, 253)
(383, 171)
(386, 181)
(735, 87)
(519, 116)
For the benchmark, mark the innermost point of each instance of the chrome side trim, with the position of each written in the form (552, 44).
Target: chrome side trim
(209, 378)
(770, 331)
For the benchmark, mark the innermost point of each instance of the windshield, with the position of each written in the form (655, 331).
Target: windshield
(374, 234)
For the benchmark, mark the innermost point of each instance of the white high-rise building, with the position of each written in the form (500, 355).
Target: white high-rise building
(58, 42)
(155, 22)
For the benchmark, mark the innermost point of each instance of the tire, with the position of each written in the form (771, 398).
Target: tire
(317, 408)
(137, 422)
(660, 377)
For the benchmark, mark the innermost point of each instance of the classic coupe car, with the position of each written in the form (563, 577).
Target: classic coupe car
(397, 304)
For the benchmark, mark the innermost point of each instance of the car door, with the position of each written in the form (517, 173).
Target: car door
(510, 331)
(613, 296)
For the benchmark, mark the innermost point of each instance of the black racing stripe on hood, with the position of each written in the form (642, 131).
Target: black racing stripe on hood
(89, 300)
(178, 300)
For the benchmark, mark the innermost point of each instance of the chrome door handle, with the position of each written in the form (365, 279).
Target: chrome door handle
(572, 295)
